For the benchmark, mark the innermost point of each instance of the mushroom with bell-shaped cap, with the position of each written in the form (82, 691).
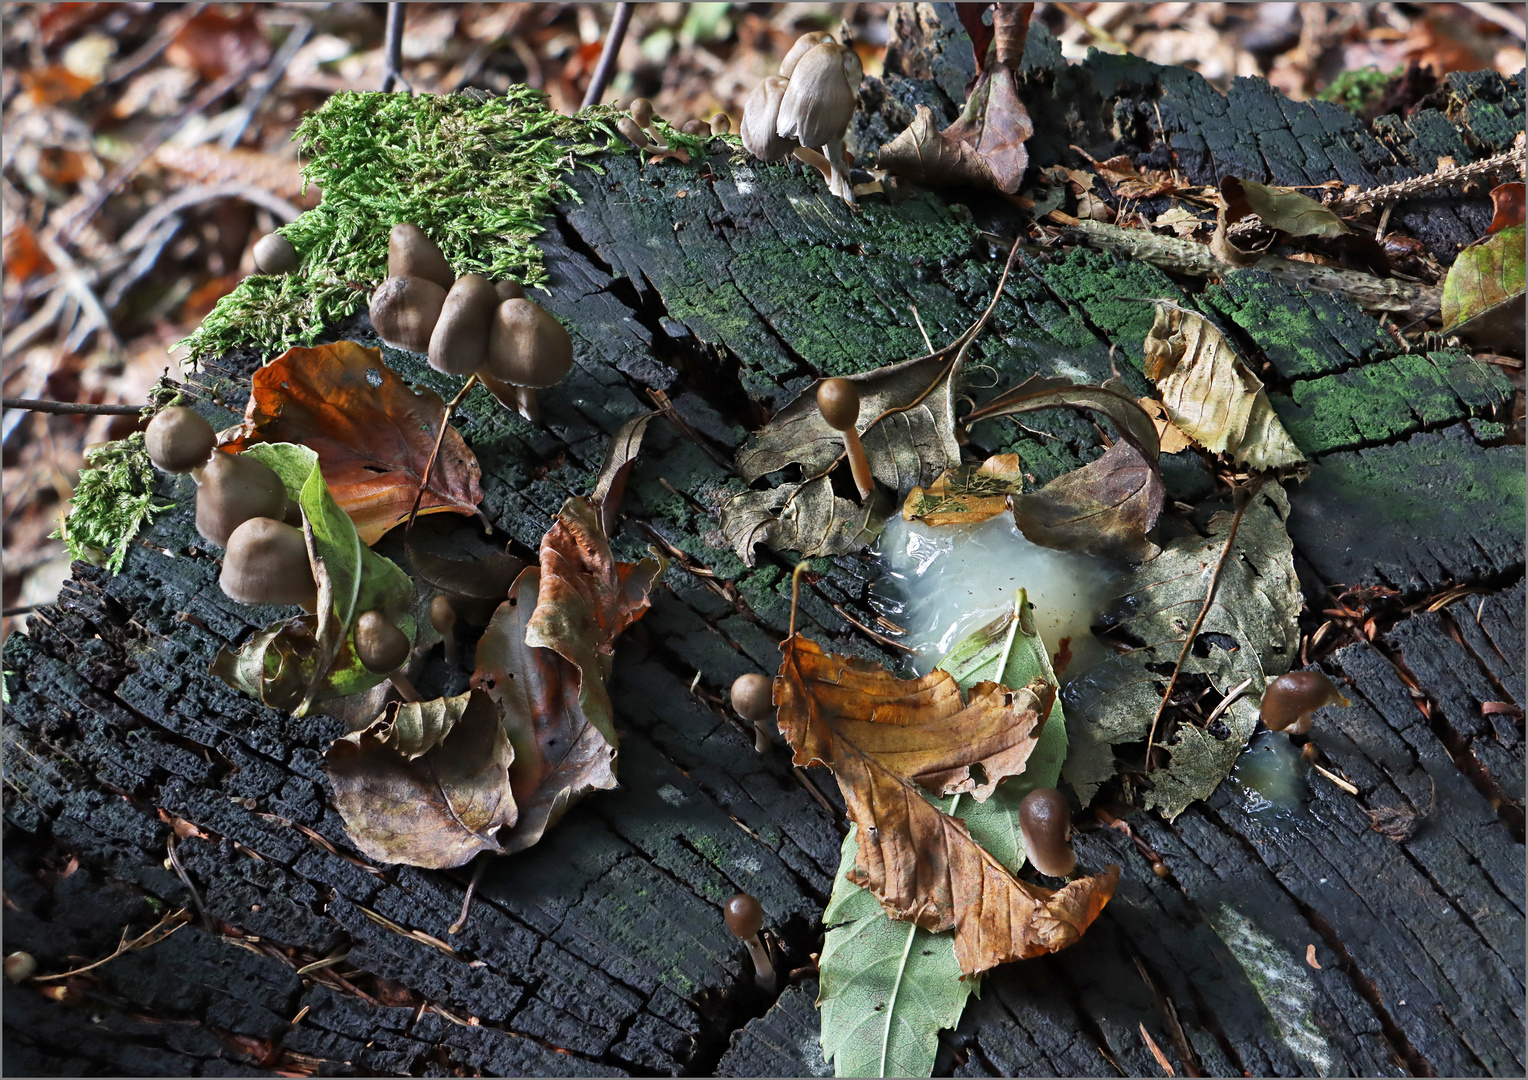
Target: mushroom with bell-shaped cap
(179, 439)
(721, 123)
(411, 253)
(267, 563)
(818, 105)
(1290, 700)
(839, 402)
(508, 290)
(1045, 820)
(761, 113)
(459, 341)
(274, 254)
(803, 45)
(528, 350)
(745, 918)
(695, 126)
(20, 966)
(404, 311)
(382, 648)
(443, 619)
(231, 489)
(632, 132)
(752, 696)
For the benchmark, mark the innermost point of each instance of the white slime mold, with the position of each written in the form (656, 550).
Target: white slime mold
(942, 582)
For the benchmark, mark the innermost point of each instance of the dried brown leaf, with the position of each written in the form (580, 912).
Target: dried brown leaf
(967, 493)
(1104, 508)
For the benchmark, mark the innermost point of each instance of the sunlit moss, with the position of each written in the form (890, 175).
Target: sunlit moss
(112, 501)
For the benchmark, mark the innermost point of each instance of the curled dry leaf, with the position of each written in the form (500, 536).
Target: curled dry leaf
(373, 434)
(437, 808)
(620, 456)
(1483, 293)
(559, 755)
(1168, 433)
(967, 493)
(413, 728)
(1248, 631)
(806, 518)
(884, 737)
(585, 600)
(1210, 394)
(1279, 208)
(1507, 207)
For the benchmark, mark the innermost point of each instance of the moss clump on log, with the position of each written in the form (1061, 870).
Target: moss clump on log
(480, 177)
(112, 501)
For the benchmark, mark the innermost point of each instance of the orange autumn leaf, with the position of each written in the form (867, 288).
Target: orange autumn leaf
(885, 738)
(967, 493)
(54, 85)
(373, 434)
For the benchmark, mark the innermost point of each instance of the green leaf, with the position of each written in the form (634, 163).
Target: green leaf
(1249, 632)
(316, 652)
(888, 987)
(1280, 208)
(1484, 275)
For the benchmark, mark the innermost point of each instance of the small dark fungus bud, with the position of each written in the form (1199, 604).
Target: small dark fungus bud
(745, 918)
(179, 439)
(459, 342)
(642, 112)
(839, 402)
(267, 563)
(696, 126)
(411, 253)
(721, 124)
(1290, 699)
(1045, 819)
(379, 644)
(20, 966)
(1160, 869)
(231, 489)
(443, 619)
(751, 697)
(274, 254)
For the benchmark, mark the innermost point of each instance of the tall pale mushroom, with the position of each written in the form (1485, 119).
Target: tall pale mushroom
(818, 105)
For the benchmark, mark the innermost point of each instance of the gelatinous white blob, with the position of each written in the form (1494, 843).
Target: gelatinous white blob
(1270, 776)
(942, 582)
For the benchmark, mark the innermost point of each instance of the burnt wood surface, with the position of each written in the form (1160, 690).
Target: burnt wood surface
(1281, 942)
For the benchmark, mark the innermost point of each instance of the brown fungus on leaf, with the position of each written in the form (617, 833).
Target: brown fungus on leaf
(274, 254)
(751, 697)
(443, 619)
(1045, 819)
(529, 350)
(1290, 699)
(231, 489)
(179, 439)
(267, 563)
(760, 115)
(459, 341)
(818, 105)
(839, 402)
(411, 253)
(745, 918)
(382, 648)
(404, 311)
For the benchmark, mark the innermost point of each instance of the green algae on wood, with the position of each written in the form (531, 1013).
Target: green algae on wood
(480, 177)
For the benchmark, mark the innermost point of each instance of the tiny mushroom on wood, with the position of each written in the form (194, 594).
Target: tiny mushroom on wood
(267, 563)
(179, 439)
(382, 648)
(1045, 819)
(745, 917)
(839, 402)
(443, 619)
(760, 115)
(231, 489)
(721, 124)
(274, 254)
(459, 341)
(752, 698)
(696, 126)
(528, 350)
(404, 311)
(20, 966)
(1290, 699)
(411, 253)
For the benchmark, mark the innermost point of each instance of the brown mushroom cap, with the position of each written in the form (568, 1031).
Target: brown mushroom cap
(442, 614)
(721, 123)
(274, 254)
(1290, 699)
(20, 966)
(839, 402)
(697, 126)
(760, 115)
(267, 563)
(404, 311)
(803, 45)
(459, 342)
(379, 645)
(411, 253)
(642, 112)
(1045, 819)
(819, 102)
(232, 488)
(179, 439)
(751, 696)
(508, 290)
(744, 915)
(632, 132)
(527, 346)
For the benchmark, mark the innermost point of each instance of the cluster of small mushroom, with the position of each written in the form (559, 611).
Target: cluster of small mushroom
(805, 110)
(242, 506)
(468, 324)
(640, 129)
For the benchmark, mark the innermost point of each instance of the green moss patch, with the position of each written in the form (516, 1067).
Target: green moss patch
(112, 501)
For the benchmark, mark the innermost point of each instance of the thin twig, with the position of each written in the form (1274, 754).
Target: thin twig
(1334, 778)
(392, 70)
(461, 920)
(874, 635)
(1445, 177)
(926, 342)
(185, 878)
(65, 408)
(295, 39)
(445, 424)
(175, 920)
(1225, 702)
(1209, 598)
(606, 66)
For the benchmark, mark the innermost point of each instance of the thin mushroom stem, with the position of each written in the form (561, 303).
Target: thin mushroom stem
(761, 739)
(405, 688)
(807, 156)
(763, 968)
(440, 437)
(859, 464)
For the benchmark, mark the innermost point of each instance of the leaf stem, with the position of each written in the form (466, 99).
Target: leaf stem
(1209, 598)
(440, 437)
